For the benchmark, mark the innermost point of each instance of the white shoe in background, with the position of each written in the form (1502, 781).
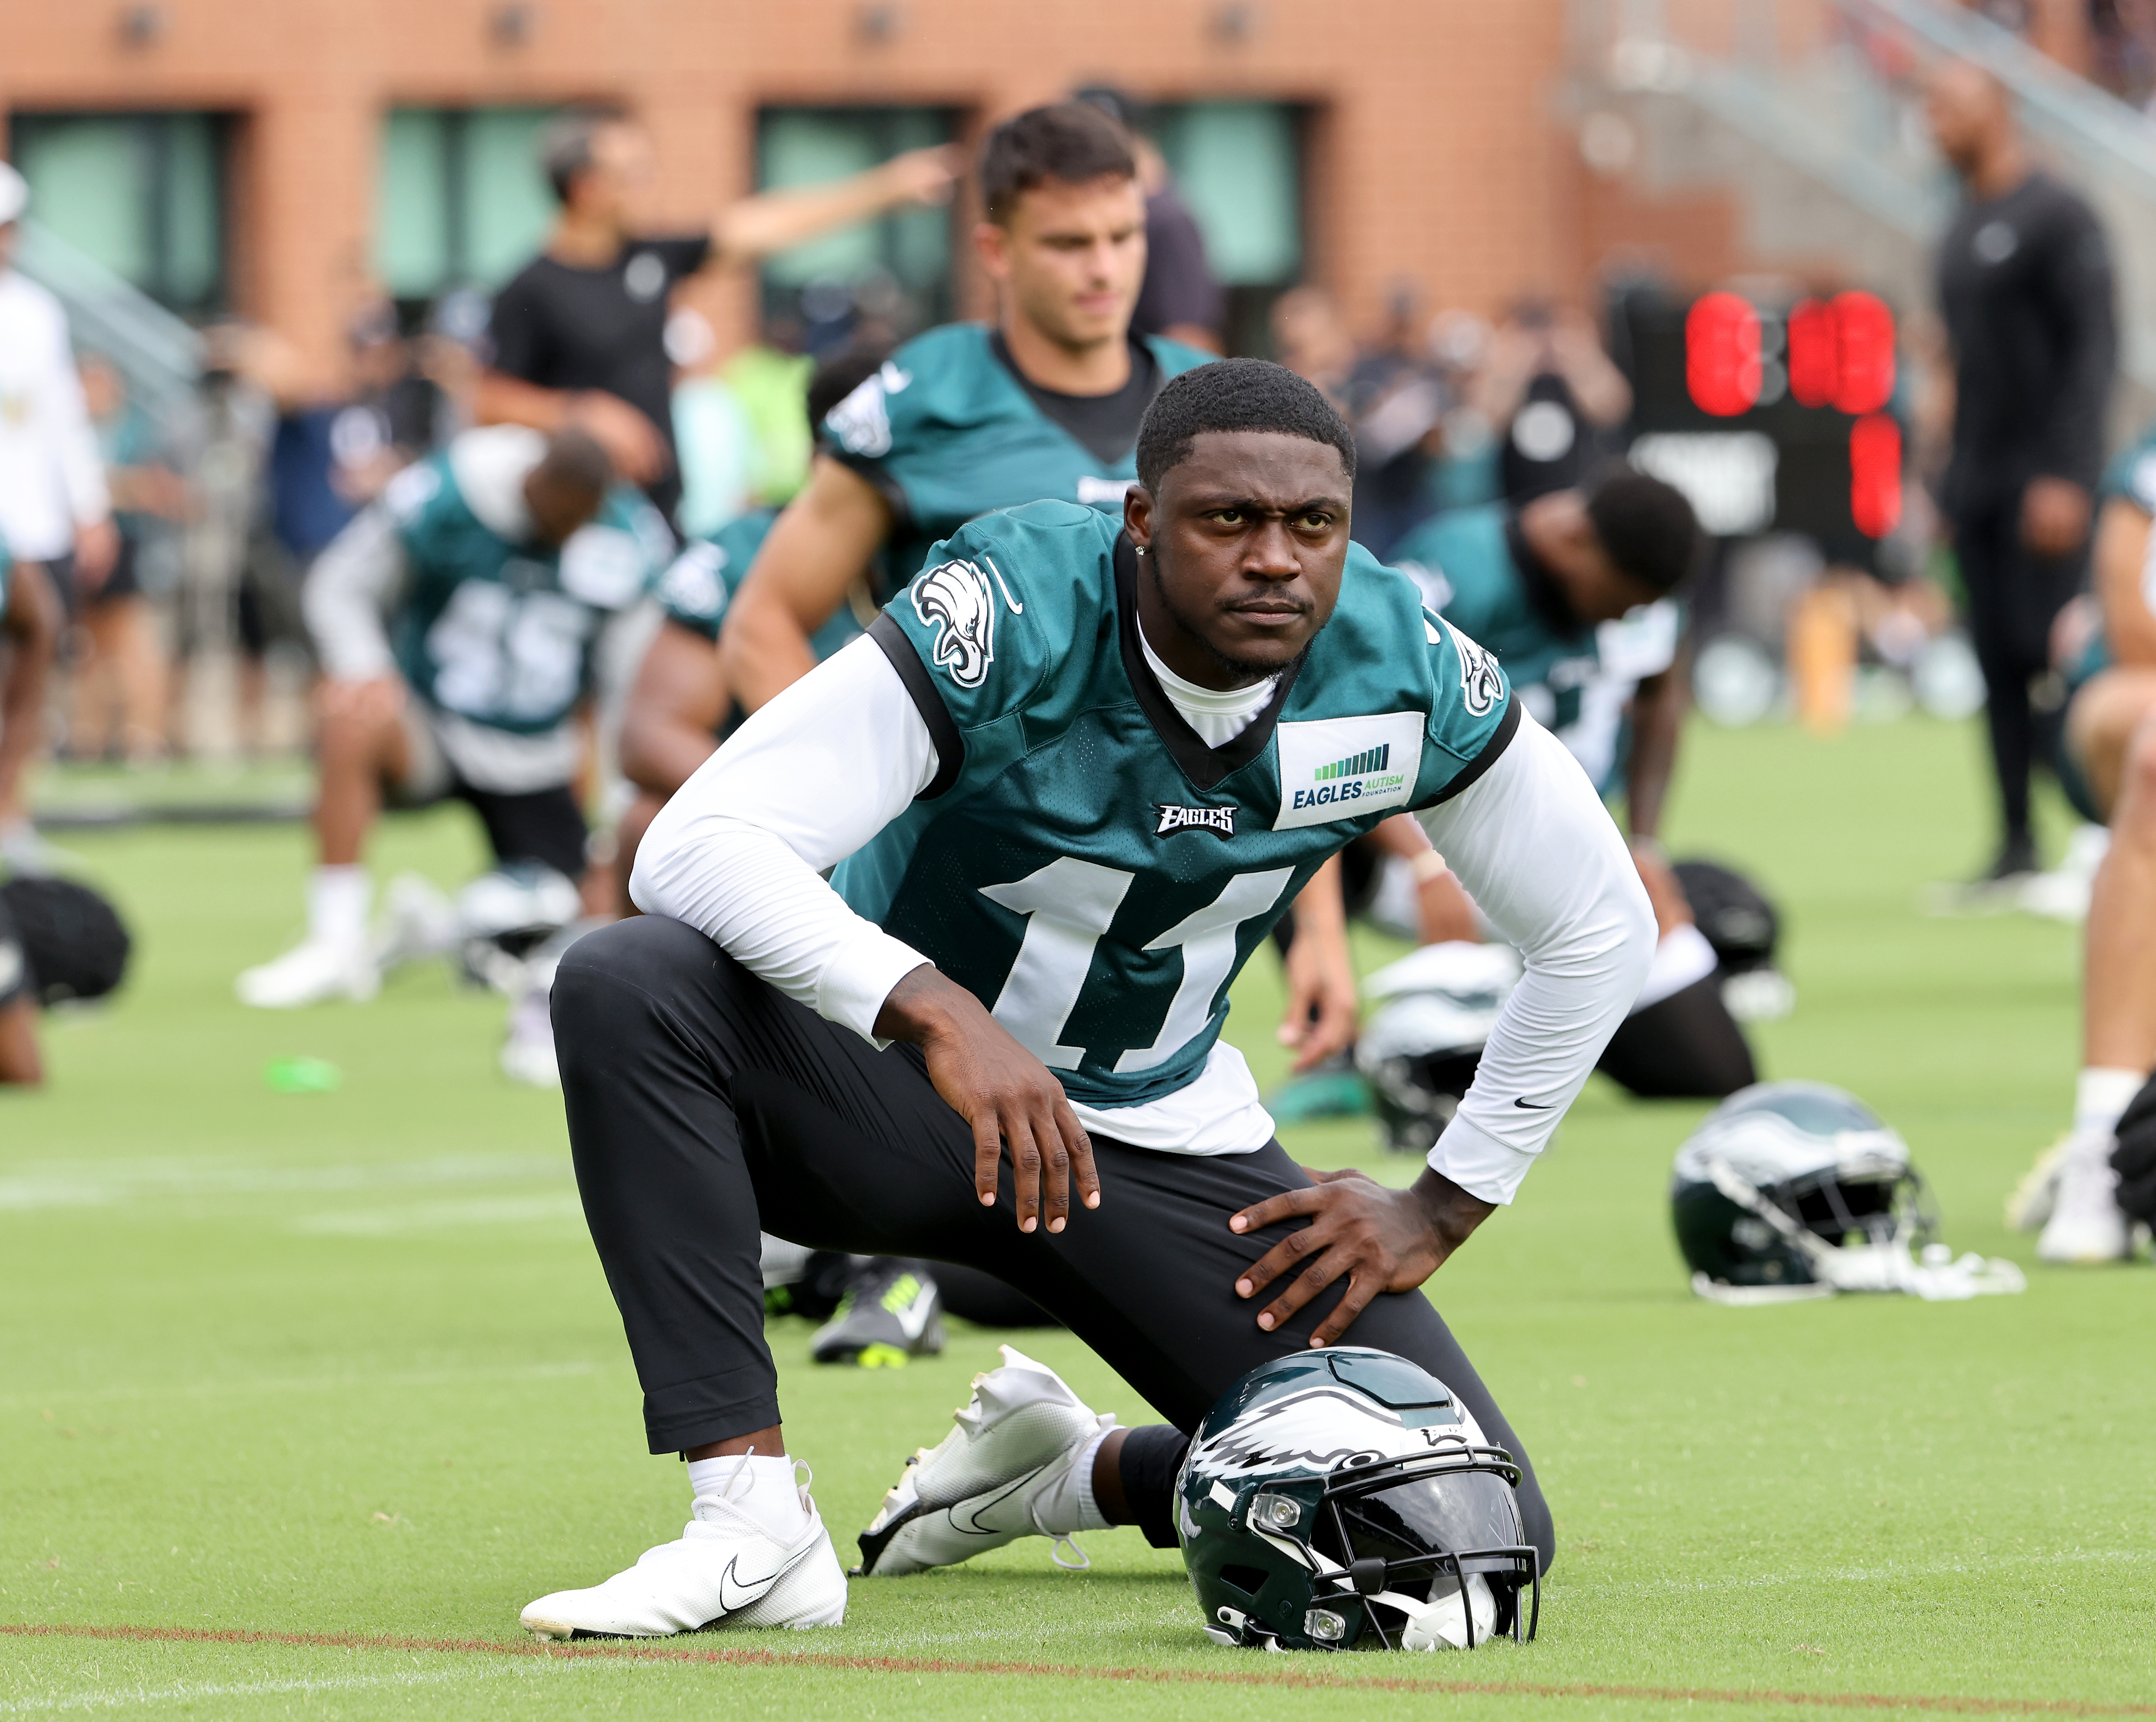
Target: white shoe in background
(312, 972)
(2086, 1225)
(417, 921)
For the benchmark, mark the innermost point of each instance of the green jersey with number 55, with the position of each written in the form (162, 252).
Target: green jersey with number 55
(495, 626)
(1084, 862)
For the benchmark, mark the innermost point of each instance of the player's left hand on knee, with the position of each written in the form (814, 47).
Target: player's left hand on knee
(1375, 1238)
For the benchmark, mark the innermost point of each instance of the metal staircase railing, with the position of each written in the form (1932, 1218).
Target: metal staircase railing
(160, 354)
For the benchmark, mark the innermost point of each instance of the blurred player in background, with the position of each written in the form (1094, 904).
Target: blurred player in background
(459, 621)
(680, 706)
(1574, 595)
(1179, 299)
(119, 675)
(54, 508)
(2109, 774)
(29, 637)
(580, 332)
(2025, 285)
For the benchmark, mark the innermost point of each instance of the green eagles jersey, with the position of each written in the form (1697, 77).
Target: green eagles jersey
(1084, 863)
(7, 578)
(500, 633)
(947, 434)
(697, 588)
(2130, 478)
(1576, 679)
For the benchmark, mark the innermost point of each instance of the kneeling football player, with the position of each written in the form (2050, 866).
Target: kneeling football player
(1062, 790)
(459, 622)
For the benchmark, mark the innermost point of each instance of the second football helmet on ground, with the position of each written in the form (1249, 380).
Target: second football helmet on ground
(1799, 1190)
(1342, 1499)
(1420, 1049)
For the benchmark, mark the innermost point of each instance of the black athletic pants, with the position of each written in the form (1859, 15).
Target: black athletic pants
(2014, 597)
(703, 1106)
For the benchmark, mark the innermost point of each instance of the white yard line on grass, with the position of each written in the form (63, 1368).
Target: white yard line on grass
(113, 1697)
(92, 1183)
(305, 1384)
(1861, 1575)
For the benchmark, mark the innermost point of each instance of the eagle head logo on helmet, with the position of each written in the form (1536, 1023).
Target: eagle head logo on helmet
(955, 598)
(1343, 1499)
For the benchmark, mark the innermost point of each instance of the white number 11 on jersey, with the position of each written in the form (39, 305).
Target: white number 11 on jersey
(1069, 904)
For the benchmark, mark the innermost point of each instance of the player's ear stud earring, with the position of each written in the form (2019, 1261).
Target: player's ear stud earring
(1140, 548)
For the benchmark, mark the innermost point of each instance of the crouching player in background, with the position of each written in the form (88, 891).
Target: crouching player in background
(2109, 774)
(1049, 864)
(1576, 594)
(460, 621)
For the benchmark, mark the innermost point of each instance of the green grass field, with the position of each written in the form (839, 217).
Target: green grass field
(302, 1396)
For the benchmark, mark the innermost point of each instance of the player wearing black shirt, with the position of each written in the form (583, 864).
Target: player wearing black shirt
(2024, 285)
(579, 333)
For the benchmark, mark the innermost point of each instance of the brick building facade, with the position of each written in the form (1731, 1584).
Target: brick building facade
(1432, 151)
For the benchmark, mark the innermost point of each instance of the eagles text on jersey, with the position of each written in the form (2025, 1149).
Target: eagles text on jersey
(1083, 862)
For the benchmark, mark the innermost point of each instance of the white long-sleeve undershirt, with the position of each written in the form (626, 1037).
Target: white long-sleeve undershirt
(738, 853)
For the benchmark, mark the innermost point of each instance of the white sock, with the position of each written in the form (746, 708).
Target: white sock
(1067, 1504)
(338, 899)
(764, 1488)
(2100, 1094)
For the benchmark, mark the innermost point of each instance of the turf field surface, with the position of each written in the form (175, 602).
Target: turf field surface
(304, 1395)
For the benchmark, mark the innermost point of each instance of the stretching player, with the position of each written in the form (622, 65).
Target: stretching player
(2110, 775)
(1051, 862)
(30, 632)
(1572, 592)
(459, 621)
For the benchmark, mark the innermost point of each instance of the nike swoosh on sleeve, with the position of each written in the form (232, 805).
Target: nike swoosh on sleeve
(1535, 1105)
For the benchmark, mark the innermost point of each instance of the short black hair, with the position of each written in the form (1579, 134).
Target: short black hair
(1231, 395)
(1647, 526)
(835, 379)
(565, 146)
(1070, 140)
(576, 457)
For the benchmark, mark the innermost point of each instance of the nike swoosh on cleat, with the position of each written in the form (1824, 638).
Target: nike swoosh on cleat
(1535, 1105)
(734, 1596)
(914, 1316)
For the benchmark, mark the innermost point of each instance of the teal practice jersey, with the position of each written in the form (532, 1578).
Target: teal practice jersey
(2130, 478)
(1577, 681)
(6, 578)
(947, 434)
(503, 632)
(1084, 863)
(697, 588)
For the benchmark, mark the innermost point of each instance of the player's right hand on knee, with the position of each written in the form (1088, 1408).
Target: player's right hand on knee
(1009, 1097)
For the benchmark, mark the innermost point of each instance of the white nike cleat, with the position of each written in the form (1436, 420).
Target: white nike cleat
(1007, 1471)
(311, 973)
(2028, 1206)
(2086, 1225)
(725, 1569)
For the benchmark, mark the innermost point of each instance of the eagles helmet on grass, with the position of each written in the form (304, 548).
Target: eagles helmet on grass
(1420, 1049)
(1342, 1499)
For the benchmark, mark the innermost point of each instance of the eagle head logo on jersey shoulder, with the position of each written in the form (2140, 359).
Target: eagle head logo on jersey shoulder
(955, 599)
(1481, 683)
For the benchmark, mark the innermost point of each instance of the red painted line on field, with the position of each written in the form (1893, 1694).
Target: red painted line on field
(1157, 1677)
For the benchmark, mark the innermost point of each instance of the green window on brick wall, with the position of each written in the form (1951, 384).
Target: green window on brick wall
(460, 200)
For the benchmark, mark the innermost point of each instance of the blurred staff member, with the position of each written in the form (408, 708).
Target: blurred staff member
(53, 507)
(580, 333)
(122, 672)
(1549, 385)
(2024, 286)
(1178, 299)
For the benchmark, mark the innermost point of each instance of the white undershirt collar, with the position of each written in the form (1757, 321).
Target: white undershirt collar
(1218, 718)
